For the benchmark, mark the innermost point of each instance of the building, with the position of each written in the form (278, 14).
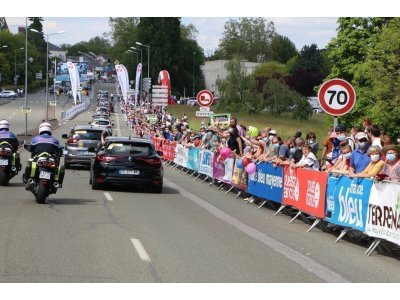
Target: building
(57, 52)
(213, 70)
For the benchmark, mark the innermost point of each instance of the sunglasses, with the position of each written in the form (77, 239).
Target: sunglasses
(362, 140)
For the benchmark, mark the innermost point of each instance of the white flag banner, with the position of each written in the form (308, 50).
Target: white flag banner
(78, 84)
(73, 78)
(137, 80)
(123, 80)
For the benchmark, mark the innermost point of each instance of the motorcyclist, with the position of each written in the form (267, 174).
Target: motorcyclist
(45, 142)
(7, 137)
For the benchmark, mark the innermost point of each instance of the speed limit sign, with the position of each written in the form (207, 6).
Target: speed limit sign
(336, 97)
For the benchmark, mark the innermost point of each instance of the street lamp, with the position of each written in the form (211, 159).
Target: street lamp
(47, 67)
(194, 57)
(137, 59)
(148, 57)
(15, 66)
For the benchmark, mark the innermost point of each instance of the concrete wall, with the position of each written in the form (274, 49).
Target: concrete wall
(213, 70)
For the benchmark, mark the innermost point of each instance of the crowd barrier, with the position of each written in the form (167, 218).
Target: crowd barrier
(76, 109)
(362, 204)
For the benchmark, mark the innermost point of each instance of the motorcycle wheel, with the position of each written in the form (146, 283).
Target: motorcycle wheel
(4, 179)
(42, 193)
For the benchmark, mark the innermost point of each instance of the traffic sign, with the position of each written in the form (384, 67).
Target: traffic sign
(336, 97)
(26, 109)
(53, 103)
(204, 108)
(204, 113)
(205, 98)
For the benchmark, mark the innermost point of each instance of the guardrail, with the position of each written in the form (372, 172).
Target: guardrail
(76, 109)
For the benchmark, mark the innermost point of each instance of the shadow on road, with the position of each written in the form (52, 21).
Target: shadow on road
(70, 201)
(146, 190)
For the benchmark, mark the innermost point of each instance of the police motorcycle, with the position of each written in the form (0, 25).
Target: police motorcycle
(9, 162)
(46, 175)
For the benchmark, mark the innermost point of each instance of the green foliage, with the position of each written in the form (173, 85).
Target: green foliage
(309, 59)
(237, 91)
(270, 69)
(282, 48)
(246, 37)
(302, 110)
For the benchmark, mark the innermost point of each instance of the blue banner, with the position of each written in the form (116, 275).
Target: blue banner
(193, 159)
(347, 201)
(267, 182)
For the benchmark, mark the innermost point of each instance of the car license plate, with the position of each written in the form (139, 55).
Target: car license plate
(44, 175)
(129, 172)
(3, 162)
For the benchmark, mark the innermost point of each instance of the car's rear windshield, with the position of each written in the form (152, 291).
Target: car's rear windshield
(88, 134)
(102, 122)
(130, 148)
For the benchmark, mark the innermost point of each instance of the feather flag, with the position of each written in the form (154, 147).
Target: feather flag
(73, 78)
(137, 80)
(122, 73)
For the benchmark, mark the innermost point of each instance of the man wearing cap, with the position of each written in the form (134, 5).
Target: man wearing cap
(392, 164)
(342, 136)
(359, 157)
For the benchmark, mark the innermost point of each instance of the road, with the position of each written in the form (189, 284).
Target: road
(190, 233)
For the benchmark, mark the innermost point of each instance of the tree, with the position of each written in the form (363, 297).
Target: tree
(270, 69)
(247, 37)
(282, 48)
(309, 59)
(237, 91)
(354, 38)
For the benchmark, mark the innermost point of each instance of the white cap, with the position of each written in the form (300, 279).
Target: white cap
(272, 132)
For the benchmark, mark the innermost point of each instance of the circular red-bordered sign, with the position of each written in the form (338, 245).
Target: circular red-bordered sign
(336, 97)
(205, 98)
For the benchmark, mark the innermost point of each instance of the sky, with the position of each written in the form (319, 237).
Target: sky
(301, 31)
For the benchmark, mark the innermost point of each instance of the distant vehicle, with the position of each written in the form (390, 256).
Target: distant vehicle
(8, 94)
(127, 161)
(192, 101)
(104, 123)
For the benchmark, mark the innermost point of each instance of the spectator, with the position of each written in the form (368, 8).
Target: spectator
(359, 157)
(391, 168)
(386, 140)
(327, 147)
(343, 136)
(343, 163)
(366, 122)
(311, 139)
(308, 161)
(374, 134)
(297, 134)
(375, 165)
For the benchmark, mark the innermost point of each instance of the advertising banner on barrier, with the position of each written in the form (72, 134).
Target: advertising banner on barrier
(383, 219)
(239, 179)
(228, 168)
(223, 169)
(168, 150)
(181, 155)
(347, 201)
(206, 162)
(267, 182)
(305, 190)
(193, 162)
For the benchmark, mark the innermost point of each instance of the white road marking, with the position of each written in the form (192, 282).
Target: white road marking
(140, 250)
(304, 261)
(108, 196)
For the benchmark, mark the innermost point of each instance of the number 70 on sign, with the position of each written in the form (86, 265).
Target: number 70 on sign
(336, 97)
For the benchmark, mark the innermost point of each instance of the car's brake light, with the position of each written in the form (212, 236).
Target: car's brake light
(151, 161)
(4, 152)
(106, 158)
(72, 140)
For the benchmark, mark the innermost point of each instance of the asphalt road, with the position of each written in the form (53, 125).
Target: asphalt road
(192, 232)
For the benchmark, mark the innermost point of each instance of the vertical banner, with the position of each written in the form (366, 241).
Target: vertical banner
(383, 219)
(73, 77)
(181, 155)
(228, 174)
(137, 81)
(206, 162)
(193, 162)
(347, 201)
(239, 179)
(78, 84)
(218, 168)
(123, 80)
(305, 190)
(267, 182)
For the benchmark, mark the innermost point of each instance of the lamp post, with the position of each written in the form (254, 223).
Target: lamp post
(194, 57)
(47, 67)
(137, 59)
(148, 57)
(15, 66)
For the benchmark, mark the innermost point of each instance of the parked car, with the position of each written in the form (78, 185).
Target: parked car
(80, 138)
(192, 101)
(8, 94)
(127, 161)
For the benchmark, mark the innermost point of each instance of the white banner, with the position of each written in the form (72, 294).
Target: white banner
(181, 155)
(78, 84)
(74, 77)
(123, 81)
(137, 81)
(229, 163)
(383, 218)
(206, 162)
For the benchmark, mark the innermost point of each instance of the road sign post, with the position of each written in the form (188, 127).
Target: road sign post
(336, 97)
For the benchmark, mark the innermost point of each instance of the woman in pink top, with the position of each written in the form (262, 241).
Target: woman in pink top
(391, 169)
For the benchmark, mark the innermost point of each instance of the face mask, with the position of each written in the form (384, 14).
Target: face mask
(341, 138)
(292, 150)
(347, 155)
(299, 148)
(276, 146)
(265, 140)
(391, 157)
(271, 137)
(362, 145)
(375, 157)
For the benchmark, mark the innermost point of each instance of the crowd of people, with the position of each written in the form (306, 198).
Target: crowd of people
(362, 151)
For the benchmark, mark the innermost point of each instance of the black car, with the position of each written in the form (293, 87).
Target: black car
(127, 161)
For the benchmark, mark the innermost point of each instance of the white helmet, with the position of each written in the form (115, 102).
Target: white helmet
(45, 127)
(4, 125)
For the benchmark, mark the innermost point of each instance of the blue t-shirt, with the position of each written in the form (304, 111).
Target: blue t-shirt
(359, 160)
